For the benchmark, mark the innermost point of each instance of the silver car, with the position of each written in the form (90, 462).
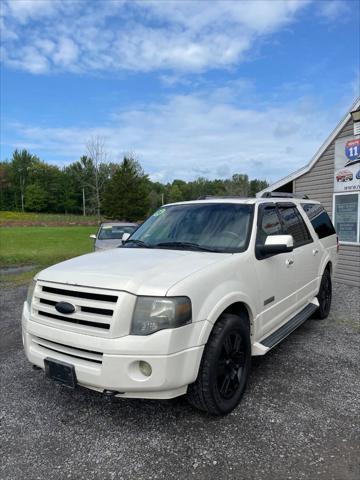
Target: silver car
(110, 234)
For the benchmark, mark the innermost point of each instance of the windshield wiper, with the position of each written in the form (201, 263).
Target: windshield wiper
(140, 243)
(185, 245)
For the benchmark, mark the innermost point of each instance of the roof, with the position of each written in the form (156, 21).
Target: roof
(315, 158)
(118, 224)
(244, 201)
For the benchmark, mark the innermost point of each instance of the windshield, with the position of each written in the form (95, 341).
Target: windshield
(219, 227)
(114, 232)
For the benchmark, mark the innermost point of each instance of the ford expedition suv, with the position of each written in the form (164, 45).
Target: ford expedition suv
(181, 307)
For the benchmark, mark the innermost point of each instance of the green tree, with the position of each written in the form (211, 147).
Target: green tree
(21, 163)
(7, 200)
(238, 185)
(127, 193)
(35, 198)
(256, 186)
(154, 200)
(49, 179)
(175, 193)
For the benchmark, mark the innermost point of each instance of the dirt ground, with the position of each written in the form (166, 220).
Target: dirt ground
(299, 418)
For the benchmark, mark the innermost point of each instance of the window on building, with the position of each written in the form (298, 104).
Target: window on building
(319, 219)
(294, 225)
(347, 217)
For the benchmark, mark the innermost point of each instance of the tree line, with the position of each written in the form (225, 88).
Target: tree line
(94, 186)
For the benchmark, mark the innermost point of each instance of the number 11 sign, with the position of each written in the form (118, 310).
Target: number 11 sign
(352, 150)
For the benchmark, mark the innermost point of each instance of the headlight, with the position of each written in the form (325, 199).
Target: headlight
(30, 292)
(157, 313)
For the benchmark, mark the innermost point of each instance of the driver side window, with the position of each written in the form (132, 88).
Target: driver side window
(269, 224)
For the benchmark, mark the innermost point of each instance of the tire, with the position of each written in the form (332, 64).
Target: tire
(324, 296)
(224, 368)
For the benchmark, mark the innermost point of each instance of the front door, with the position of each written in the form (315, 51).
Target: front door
(276, 275)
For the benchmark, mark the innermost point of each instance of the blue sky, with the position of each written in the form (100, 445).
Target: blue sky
(191, 88)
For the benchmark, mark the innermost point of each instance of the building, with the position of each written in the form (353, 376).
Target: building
(333, 178)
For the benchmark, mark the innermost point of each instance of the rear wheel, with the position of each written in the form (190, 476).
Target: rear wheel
(224, 368)
(324, 296)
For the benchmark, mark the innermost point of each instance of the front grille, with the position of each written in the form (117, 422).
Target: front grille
(94, 310)
(48, 346)
(74, 320)
(100, 311)
(76, 294)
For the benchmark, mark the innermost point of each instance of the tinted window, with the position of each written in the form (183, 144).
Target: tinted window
(320, 219)
(113, 232)
(269, 224)
(294, 225)
(223, 227)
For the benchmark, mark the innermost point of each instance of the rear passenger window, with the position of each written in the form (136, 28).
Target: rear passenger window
(269, 224)
(320, 219)
(294, 225)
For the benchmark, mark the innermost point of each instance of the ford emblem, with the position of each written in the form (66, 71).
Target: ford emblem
(65, 307)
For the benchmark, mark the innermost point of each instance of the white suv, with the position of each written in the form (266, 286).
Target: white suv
(197, 290)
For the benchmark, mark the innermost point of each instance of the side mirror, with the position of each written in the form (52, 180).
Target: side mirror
(275, 244)
(125, 237)
(93, 236)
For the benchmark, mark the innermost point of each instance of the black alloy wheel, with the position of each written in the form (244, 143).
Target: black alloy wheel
(324, 296)
(230, 365)
(224, 368)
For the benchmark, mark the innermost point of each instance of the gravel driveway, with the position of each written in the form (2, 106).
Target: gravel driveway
(298, 419)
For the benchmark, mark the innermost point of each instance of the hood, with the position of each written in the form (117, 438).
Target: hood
(135, 270)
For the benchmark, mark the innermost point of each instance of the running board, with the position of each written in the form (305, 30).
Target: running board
(290, 326)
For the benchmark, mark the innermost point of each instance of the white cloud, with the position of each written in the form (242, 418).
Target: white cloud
(31, 60)
(185, 36)
(333, 9)
(191, 135)
(67, 52)
(24, 10)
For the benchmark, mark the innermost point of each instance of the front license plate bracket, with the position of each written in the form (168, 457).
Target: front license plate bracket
(61, 372)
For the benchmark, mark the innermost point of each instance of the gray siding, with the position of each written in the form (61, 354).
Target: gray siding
(348, 267)
(318, 184)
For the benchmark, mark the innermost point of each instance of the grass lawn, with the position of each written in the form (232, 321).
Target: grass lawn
(41, 246)
(9, 219)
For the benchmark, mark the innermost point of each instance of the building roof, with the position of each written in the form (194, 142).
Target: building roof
(315, 158)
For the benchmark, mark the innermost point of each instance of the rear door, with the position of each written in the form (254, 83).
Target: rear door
(307, 252)
(276, 275)
(323, 227)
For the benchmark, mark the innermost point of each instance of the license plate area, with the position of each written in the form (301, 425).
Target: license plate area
(60, 372)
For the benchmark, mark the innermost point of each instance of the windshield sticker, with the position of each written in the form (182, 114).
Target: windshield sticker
(159, 212)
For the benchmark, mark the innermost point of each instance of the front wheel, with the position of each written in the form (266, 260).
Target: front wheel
(324, 296)
(224, 368)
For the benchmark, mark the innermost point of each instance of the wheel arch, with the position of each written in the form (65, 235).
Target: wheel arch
(235, 307)
(329, 267)
(239, 308)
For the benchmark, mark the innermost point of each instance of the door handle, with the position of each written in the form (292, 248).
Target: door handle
(315, 251)
(289, 261)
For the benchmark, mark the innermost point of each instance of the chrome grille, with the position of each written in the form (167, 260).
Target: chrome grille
(94, 309)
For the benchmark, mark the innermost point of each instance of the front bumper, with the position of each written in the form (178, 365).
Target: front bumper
(113, 363)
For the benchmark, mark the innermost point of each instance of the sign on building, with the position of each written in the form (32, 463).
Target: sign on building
(347, 165)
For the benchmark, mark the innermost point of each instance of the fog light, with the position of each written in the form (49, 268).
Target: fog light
(145, 368)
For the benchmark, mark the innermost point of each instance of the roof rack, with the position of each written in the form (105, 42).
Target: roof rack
(283, 195)
(207, 197)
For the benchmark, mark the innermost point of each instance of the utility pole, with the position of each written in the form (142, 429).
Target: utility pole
(162, 199)
(84, 210)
